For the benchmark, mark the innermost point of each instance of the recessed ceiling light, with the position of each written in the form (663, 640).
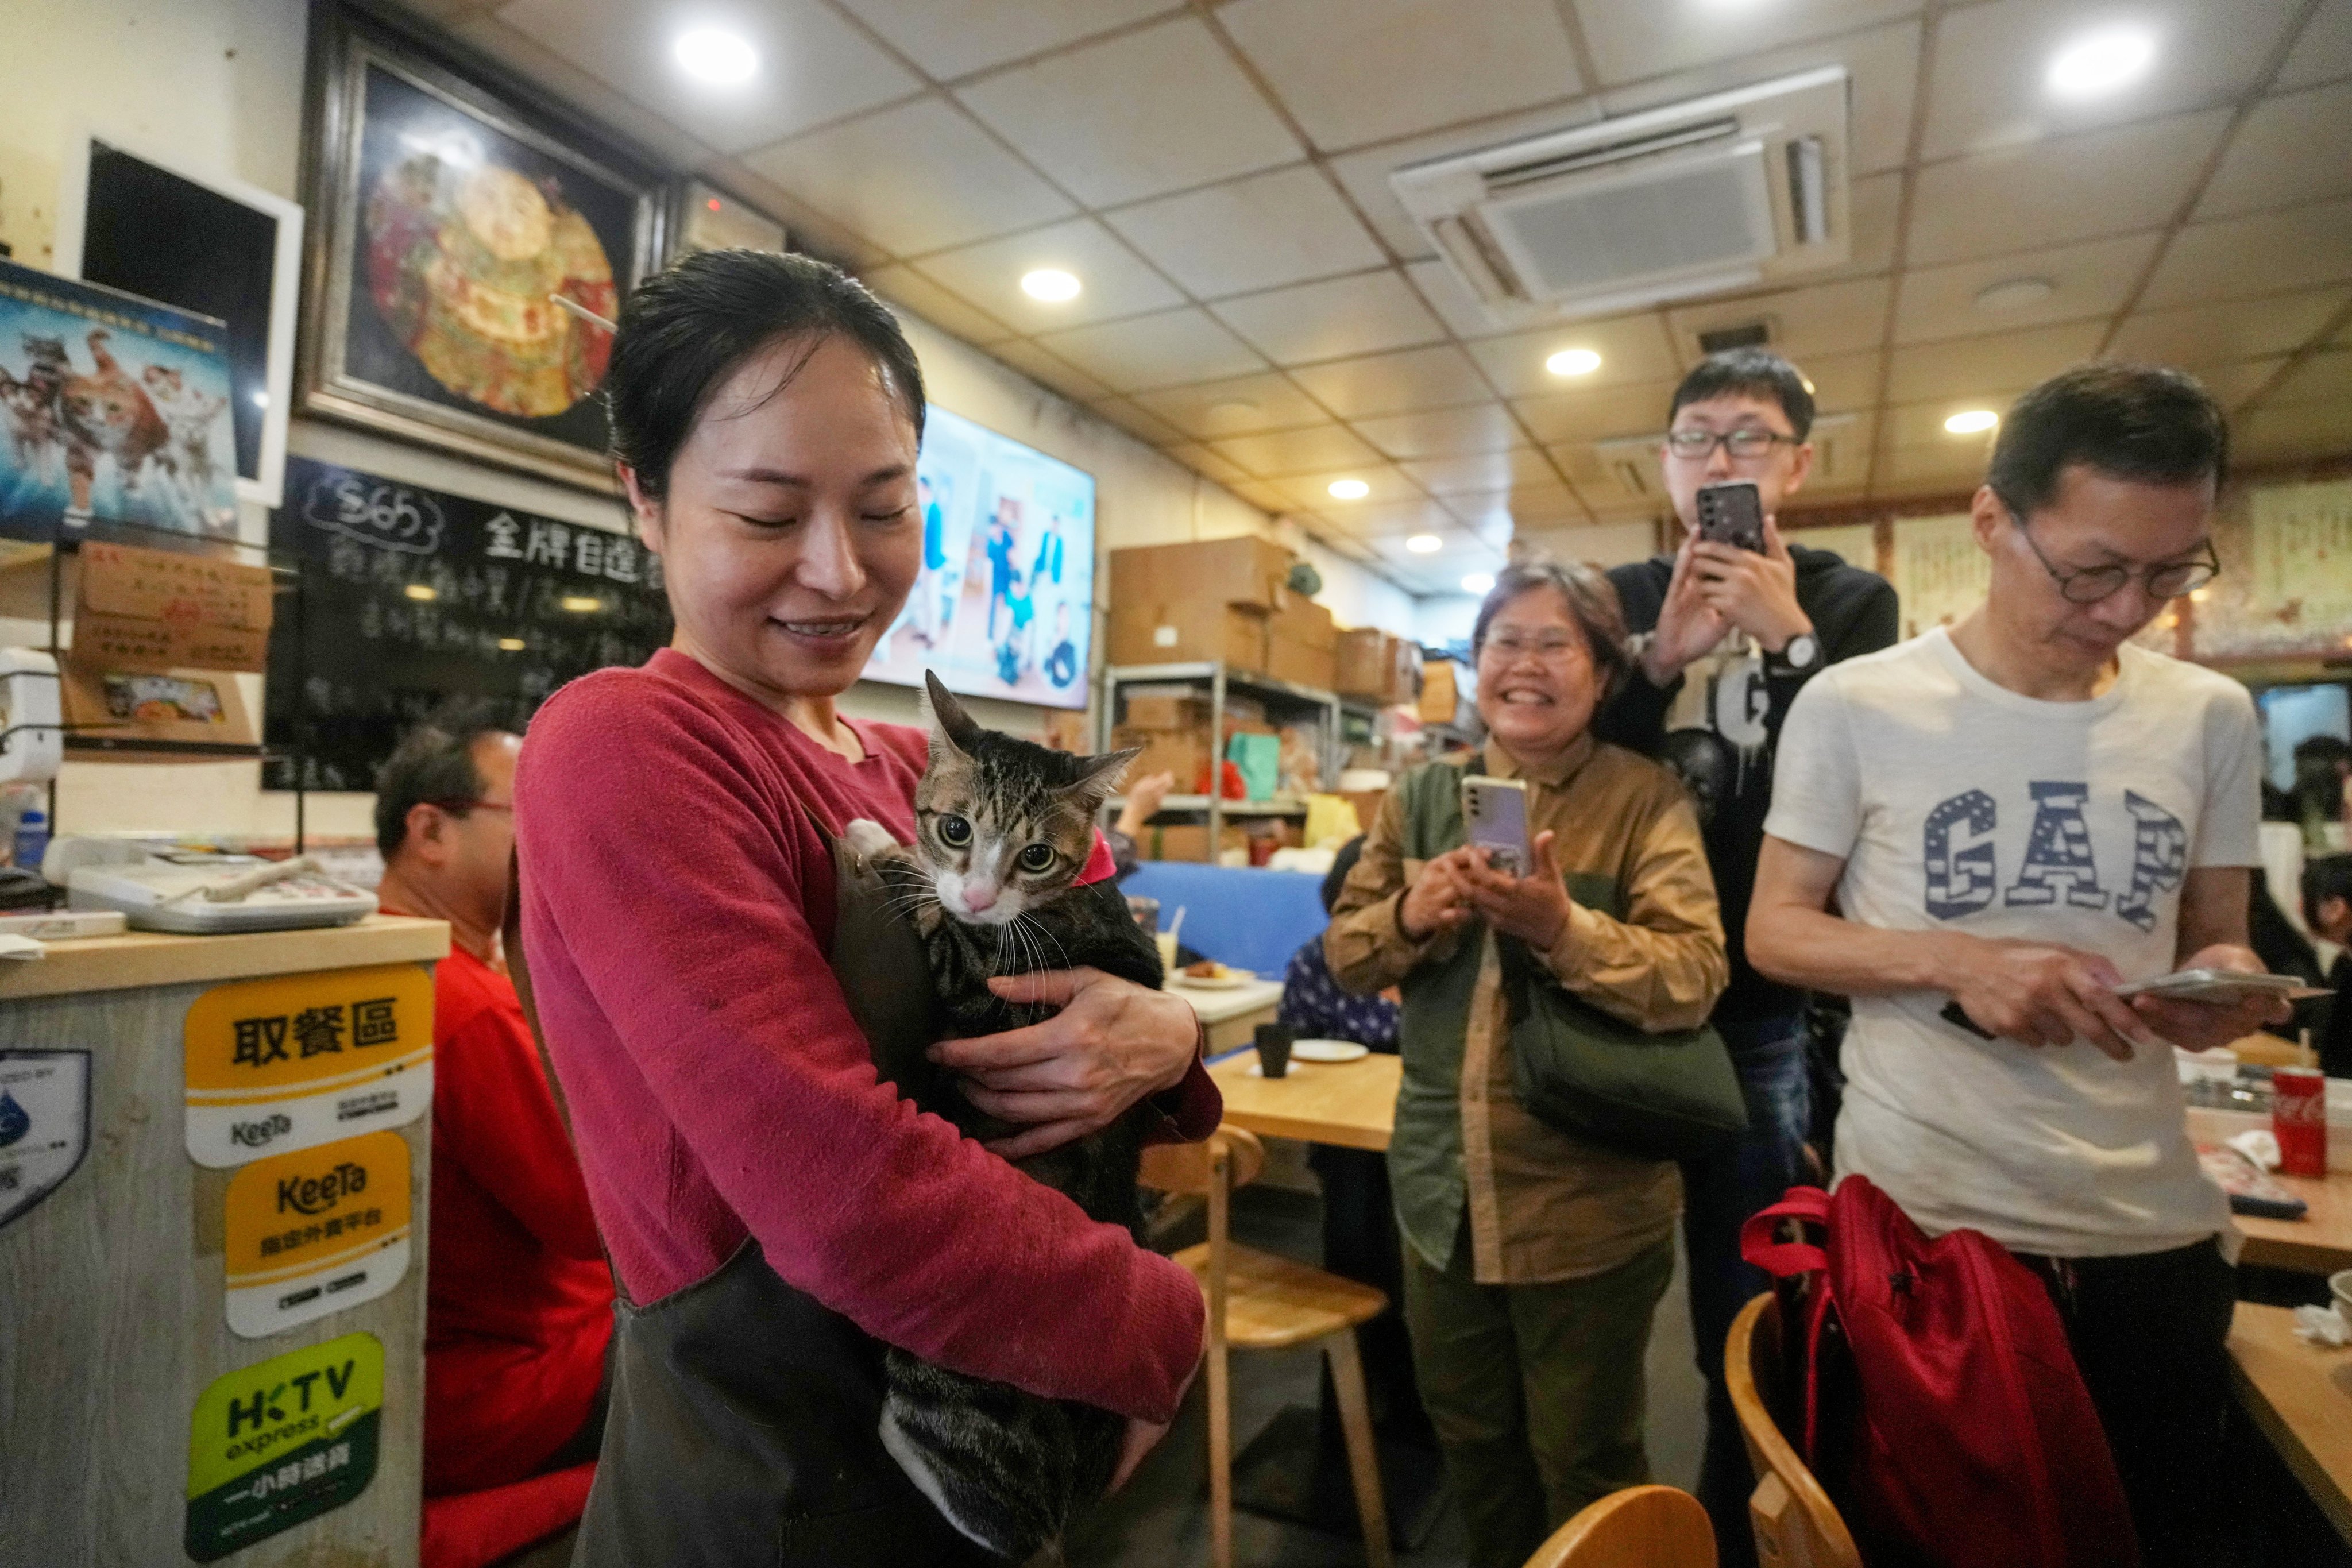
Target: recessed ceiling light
(511, 645)
(2015, 294)
(1050, 284)
(1972, 422)
(713, 55)
(581, 604)
(1424, 545)
(1573, 361)
(421, 593)
(1349, 490)
(2100, 62)
(1479, 583)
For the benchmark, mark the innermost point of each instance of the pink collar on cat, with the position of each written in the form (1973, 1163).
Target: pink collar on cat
(1100, 864)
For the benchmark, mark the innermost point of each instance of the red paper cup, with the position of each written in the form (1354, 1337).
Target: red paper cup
(2299, 1118)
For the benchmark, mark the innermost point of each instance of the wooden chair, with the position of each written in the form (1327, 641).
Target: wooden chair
(1796, 1524)
(1641, 1527)
(1259, 1301)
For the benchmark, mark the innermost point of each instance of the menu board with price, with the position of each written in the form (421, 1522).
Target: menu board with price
(412, 596)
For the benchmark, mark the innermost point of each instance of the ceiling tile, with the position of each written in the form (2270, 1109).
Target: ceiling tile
(2323, 52)
(1608, 541)
(1334, 318)
(1988, 87)
(1612, 479)
(1163, 349)
(2292, 431)
(1401, 67)
(1135, 116)
(1443, 432)
(1239, 406)
(813, 67)
(2022, 198)
(1203, 460)
(2270, 160)
(1444, 292)
(1261, 494)
(527, 57)
(1630, 42)
(2231, 385)
(2265, 253)
(1632, 349)
(1520, 504)
(2089, 280)
(1260, 232)
(1435, 377)
(948, 38)
(1872, 206)
(1598, 413)
(1927, 470)
(1114, 280)
(1364, 174)
(1398, 520)
(1481, 471)
(1882, 65)
(2325, 377)
(1922, 424)
(915, 178)
(2208, 335)
(1312, 492)
(1139, 422)
(1970, 367)
(903, 286)
(1818, 319)
(1841, 380)
(807, 228)
(1841, 444)
(1050, 370)
(1315, 449)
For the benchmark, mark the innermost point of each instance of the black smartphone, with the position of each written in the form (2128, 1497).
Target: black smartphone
(1732, 513)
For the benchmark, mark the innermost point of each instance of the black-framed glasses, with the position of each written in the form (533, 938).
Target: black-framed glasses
(2092, 584)
(1747, 442)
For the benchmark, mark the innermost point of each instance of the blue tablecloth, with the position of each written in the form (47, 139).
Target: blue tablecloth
(1246, 916)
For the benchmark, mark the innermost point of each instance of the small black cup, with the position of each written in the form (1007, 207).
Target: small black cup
(1274, 1048)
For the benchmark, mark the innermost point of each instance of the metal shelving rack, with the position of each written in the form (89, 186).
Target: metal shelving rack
(1218, 678)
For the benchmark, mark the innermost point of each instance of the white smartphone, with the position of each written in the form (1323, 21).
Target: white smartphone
(1495, 818)
(2225, 986)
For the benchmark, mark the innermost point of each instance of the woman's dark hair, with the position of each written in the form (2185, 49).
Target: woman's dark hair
(1758, 372)
(1592, 604)
(2138, 422)
(685, 329)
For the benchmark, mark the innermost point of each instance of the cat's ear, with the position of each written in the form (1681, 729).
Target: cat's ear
(948, 720)
(1102, 776)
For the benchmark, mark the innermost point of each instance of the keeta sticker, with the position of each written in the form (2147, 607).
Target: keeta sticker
(44, 1124)
(292, 1063)
(282, 1442)
(315, 1231)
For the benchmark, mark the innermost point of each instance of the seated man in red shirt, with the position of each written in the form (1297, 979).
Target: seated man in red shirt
(519, 1296)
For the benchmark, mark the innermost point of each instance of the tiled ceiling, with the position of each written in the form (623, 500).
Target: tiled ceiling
(1256, 303)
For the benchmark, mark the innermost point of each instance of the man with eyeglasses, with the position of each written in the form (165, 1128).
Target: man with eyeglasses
(1726, 640)
(2011, 818)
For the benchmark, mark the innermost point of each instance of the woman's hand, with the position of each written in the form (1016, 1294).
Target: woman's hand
(1439, 900)
(1112, 1043)
(1533, 908)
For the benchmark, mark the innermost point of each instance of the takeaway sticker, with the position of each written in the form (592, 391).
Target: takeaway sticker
(282, 1442)
(295, 1062)
(44, 1124)
(315, 1231)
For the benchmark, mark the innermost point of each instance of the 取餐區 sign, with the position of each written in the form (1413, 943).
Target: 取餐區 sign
(316, 1230)
(280, 1065)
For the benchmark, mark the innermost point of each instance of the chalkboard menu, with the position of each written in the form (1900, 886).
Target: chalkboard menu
(409, 598)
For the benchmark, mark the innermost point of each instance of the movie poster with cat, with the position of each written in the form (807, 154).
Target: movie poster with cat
(115, 411)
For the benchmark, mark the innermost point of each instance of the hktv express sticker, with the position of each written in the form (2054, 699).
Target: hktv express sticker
(282, 1442)
(295, 1062)
(315, 1231)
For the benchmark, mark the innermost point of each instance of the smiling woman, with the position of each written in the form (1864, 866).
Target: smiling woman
(715, 995)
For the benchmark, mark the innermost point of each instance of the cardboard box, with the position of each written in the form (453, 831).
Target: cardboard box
(1153, 710)
(1179, 631)
(1299, 663)
(1378, 666)
(1305, 621)
(1243, 570)
(134, 705)
(160, 610)
(1187, 841)
(1440, 697)
(1183, 752)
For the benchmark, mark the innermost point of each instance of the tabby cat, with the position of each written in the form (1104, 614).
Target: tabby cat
(1002, 829)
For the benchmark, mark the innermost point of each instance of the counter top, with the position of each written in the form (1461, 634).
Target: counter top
(153, 958)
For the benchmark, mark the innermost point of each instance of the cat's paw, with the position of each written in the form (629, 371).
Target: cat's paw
(868, 838)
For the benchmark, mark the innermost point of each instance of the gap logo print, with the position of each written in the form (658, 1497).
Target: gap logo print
(2057, 867)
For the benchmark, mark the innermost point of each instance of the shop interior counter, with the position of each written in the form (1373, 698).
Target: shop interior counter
(214, 1162)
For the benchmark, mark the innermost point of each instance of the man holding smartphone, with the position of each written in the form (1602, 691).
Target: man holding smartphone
(1726, 639)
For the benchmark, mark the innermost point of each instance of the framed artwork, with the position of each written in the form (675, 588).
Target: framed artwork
(463, 251)
(135, 217)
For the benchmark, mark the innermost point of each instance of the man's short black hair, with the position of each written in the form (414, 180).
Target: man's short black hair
(433, 765)
(2327, 876)
(2148, 424)
(1758, 372)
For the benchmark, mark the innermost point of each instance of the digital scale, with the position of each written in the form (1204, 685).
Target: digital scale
(198, 893)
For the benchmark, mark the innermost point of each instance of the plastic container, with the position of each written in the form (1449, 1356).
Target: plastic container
(2299, 1116)
(32, 840)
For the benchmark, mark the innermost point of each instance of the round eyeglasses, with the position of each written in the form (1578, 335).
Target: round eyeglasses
(2092, 584)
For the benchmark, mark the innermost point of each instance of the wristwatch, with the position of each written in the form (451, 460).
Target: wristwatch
(1801, 655)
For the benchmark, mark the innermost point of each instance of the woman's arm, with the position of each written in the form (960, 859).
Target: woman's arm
(668, 877)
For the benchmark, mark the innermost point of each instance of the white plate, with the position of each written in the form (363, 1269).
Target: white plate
(1231, 980)
(1327, 1051)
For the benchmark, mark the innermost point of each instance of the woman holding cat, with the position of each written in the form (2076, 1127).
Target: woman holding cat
(1532, 1260)
(772, 1210)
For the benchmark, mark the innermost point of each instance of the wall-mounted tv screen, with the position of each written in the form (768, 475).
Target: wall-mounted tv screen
(1004, 606)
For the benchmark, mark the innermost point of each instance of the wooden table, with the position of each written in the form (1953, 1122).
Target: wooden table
(1232, 1014)
(2318, 1243)
(2300, 1396)
(1351, 1104)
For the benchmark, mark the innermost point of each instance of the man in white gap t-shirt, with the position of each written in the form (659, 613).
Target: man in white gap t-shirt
(2019, 815)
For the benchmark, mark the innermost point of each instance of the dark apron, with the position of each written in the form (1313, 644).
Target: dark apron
(745, 1419)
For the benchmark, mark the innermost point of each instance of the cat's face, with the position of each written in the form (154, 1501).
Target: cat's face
(45, 351)
(1003, 825)
(162, 380)
(99, 407)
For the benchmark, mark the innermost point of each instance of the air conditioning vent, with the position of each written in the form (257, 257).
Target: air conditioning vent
(1721, 193)
(1752, 335)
